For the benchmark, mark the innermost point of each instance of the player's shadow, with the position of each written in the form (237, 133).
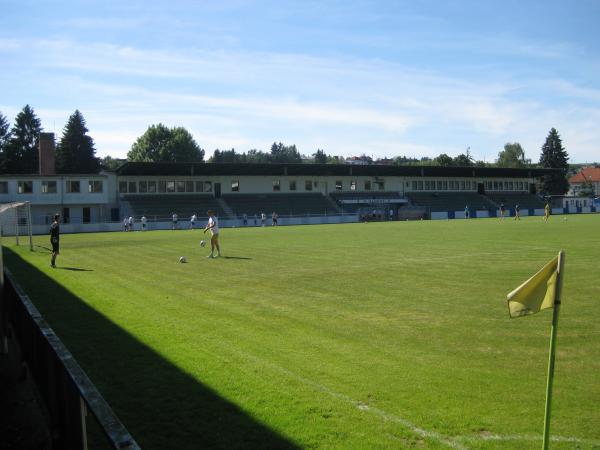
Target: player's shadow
(74, 269)
(49, 250)
(161, 405)
(235, 257)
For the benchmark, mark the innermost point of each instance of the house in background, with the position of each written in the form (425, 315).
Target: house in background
(585, 183)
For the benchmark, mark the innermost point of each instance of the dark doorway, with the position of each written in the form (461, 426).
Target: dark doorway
(66, 215)
(217, 190)
(86, 215)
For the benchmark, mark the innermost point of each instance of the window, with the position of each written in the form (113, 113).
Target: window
(276, 185)
(414, 185)
(199, 186)
(235, 186)
(170, 186)
(367, 185)
(25, 187)
(520, 185)
(151, 187)
(162, 186)
(123, 187)
(48, 187)
(439, 185)
(353, 185)
(419, 185)
(445, 185)
(506, 186)
(3, 187)
(73, 186)
(180, 186)
(292, 185)
(189, 186)
(143, 187)
(510, 186)
(208, 186)
(95, 186)
(86, 215)
(338, 185)
(132, 187)
(308, 185)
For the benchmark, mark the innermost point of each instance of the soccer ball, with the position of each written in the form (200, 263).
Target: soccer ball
(202, 243)
(182, 259)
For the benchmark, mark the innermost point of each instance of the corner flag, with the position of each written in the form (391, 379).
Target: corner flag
(537, 293)
(542, 291)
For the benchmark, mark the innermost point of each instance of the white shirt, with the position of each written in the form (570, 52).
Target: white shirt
(213, 220)
(193, 218)
(130, 220)
(144, 220)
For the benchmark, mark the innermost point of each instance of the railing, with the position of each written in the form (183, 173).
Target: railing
(66, 390)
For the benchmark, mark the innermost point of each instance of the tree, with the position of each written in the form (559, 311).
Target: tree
(463, 160)
(320, 157)
(554, 156)
(21, 151)
(75, 152)
(284, 154)
(110, 163)
(162, 144)
(443, 160)
(4, 139)
(512, 156)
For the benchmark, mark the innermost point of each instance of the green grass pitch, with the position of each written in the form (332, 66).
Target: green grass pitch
(357, 336)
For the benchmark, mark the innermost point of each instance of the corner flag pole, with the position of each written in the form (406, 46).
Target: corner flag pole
(556, 309)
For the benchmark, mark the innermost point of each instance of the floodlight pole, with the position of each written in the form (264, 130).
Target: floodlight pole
(555, 312)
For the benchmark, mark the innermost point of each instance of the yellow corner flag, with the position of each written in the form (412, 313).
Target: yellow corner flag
(537, 293)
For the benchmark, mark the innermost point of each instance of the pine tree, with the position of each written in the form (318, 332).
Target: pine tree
(21, 152)
(4, 139)
(554, 156)
(75, 152)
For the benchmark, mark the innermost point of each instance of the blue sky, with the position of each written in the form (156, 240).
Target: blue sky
(414, 78)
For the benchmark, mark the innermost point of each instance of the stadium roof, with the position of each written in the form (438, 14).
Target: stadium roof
(196, 169)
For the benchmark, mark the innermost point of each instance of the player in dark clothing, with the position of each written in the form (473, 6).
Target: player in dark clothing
(54, 239)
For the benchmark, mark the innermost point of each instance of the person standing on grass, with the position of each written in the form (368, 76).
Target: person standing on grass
(213, 226)
(501, 210)
(274, 218)
(174, 217)
(245, 217)
(467, 212)
(130, 223)
(546, 212)
(55, 239)
(517, 212)
(192, 221)
(144, 220)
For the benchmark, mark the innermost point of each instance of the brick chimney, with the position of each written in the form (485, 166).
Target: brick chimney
(46, 147)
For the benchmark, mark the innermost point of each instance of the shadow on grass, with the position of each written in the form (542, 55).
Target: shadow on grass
(235, 257)
(161, 406)
(74, 269)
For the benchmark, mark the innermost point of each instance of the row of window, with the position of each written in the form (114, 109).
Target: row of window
(506, 186)
(50, 187)
(443, 185)
(152, 187)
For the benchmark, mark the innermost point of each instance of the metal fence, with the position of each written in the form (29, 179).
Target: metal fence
(67, 392)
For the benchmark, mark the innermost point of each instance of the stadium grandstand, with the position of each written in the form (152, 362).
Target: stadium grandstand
(320, 192)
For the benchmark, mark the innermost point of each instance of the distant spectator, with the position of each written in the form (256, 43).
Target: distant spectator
(517, 212)
(391, 214)
(255, 219)
(174, 218)
(192, 221)
(263, 218)
(546, 212)
(274, 217)
(130, 222)
(502, 210)
(466, 211)
(144, 220)
(245, 219)
(125, 224)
